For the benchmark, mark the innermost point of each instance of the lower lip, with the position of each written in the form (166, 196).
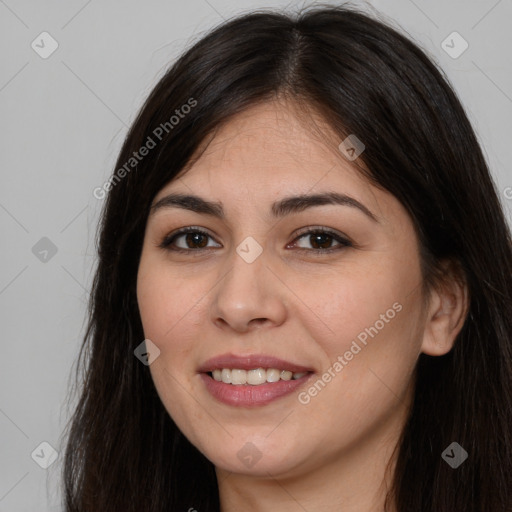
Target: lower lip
(246, 395)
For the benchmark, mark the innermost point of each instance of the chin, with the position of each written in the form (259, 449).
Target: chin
(257, 457)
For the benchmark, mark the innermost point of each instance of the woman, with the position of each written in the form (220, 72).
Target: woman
(303, 296)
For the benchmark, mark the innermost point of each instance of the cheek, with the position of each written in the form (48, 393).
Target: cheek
(355, 306)
(167, 303)
(168, 306)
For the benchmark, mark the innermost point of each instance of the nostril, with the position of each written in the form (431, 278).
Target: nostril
(258, 320)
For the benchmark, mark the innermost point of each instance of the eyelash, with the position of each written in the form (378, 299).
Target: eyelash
(344, 242)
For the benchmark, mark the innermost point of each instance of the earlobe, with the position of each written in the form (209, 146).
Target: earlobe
(446, 313)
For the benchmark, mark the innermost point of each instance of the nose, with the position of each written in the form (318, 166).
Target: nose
(249, 296)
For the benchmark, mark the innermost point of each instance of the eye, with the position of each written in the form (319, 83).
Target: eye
(321, 240)
(195, 239)
(186, 239)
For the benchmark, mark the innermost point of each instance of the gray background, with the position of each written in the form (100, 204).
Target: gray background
(63, 121)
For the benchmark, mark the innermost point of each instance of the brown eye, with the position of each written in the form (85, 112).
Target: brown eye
(186, 239)
(321, 240)
(192, 239)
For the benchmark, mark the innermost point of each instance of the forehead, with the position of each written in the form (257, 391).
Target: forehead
(271, 146)
(276, 128)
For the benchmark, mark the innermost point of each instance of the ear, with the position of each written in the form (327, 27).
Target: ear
(446, 312)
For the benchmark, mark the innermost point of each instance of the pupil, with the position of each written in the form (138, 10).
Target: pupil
(193, 239)
(318, 239)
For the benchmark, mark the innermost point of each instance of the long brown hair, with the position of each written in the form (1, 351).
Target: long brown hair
(124, 452)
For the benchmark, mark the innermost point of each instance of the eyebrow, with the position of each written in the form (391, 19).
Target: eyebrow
(286, 206)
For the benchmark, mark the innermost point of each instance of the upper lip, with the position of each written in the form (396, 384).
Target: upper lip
(250, 362)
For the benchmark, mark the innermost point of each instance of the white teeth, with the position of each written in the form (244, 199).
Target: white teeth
(226, 376)
(238, 377)
(273, 375)
(286, 375)
(254, 377)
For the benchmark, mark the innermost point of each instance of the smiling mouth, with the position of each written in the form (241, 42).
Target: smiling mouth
(254, 377)
(252, 380)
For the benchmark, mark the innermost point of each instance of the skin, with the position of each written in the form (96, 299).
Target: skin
(296, 303)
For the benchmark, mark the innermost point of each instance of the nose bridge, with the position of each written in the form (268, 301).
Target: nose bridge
(248, 290)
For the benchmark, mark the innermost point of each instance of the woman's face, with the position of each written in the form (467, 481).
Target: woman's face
(253, 285)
